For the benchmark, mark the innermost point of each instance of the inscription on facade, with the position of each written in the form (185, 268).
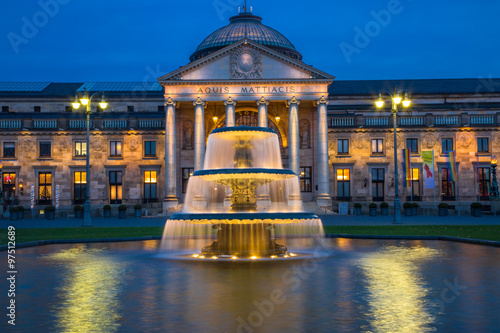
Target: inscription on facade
(248, 90)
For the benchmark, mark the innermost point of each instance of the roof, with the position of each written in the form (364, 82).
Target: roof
(416, 87)
(338, 88)
(245, 26)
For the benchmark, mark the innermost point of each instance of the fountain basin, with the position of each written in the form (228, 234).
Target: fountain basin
(244, 218)
(244, 173)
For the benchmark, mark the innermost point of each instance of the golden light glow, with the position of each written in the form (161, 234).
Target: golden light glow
(103, 105)
(234, 257)
(277, 118)
(215, 118)
(214, 257)
(253, 257)
(273, 257)
(75, 105)
(196, 255)
(343, 174)
(292, 255)
(494, 160)
(84, 100)
(379, 102)
(406, 101)
(397, 99)
(415, 174)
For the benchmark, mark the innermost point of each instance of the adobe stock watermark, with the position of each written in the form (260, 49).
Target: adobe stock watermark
(292, 280)
(226, 6)
(30, 27)
(364, 36)
(448, 295)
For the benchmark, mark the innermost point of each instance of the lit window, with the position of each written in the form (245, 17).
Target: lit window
(150, 186)
(45, 188)
(80, 187)
(115, 187)
(343, 184)
(377, 146)
(305, 179)
(80, 148)
(115, 148)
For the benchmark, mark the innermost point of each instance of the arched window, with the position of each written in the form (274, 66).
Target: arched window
(250, 118)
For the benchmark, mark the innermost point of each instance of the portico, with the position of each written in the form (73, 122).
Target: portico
(246, 77)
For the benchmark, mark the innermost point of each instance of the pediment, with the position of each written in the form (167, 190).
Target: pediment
(245, 60)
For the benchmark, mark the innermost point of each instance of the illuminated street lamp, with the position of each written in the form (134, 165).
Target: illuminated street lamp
(86, 101)
(494, 183)
(396, 100)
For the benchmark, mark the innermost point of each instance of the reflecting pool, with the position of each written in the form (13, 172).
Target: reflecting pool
(362, 286)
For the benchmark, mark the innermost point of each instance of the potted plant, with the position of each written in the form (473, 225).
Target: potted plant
(443, 209)
(373, 209)
(384, 208)
(50, 212)
(476, 208)
(122, 211)
(408, 208)
(106, 211)
(13, 213)
(137, 210)
(357, 209)
(79, 212)
(414, 208)
(20, 212)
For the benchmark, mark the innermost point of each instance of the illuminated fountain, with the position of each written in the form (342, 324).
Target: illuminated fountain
(243, 204)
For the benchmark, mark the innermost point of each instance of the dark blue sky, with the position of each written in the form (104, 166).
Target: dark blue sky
(97, 40)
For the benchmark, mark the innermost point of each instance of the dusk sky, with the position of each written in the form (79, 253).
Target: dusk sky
(113, 40)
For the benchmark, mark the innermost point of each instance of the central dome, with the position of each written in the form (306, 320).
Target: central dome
(249, 26)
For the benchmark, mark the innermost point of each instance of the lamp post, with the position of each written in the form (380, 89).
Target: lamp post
(85, 100)
(495, 200)
(396, 100)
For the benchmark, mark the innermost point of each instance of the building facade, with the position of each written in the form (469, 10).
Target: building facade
(146, 144)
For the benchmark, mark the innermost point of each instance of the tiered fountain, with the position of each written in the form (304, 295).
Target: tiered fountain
(243, 202)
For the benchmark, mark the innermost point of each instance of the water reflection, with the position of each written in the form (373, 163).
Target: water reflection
(397, 295)
(89, 291)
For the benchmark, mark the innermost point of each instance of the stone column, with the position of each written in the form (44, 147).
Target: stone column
(323, 199)
(293, 135)
(230, 111)
(170, 200)
(263, 104)
(199, 134)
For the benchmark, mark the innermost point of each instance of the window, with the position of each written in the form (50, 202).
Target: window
(482, 145)
(45, 149)
(80, 148)
(45, 188)
(130, 108)
(446, 145)
(37, 109)
(5, 109)
(378, 181)
(9, 186)
(343, 184)
(115, 148)
(115, 187)
(150, 185)
(343, 146)
(415, 184)
(377, 146)
(186, 173)
(412, 145)
(150, 148)
(305, 179)
(447, 185)
(9, 149)
(484, 178)
(80, 187)
(161, 108)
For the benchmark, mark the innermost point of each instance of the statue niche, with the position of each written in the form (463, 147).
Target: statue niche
(305, 134)
(187, 131)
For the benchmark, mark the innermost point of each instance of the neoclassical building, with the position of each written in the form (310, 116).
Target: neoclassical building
(146, 144)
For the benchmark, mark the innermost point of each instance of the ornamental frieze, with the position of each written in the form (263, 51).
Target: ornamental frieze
(246, 63)
(429, 141)
(465, 140)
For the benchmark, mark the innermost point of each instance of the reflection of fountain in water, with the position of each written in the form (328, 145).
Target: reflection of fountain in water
(243, 199)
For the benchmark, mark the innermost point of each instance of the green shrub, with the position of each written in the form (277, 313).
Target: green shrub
(415, 205)
(372, 205)
(50, 209)
(443, 205)
(407, 205)
(77, 208)
(384, 205)
(13, 209)
(357, 205)
(122, 208)
(137, 206)
(106, 207)
(476, 205)
(21, 208)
